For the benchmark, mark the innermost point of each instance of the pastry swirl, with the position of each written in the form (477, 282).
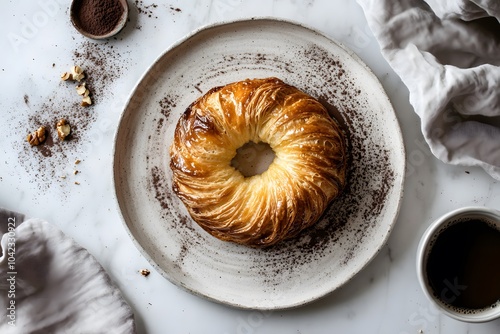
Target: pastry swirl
(308, 171)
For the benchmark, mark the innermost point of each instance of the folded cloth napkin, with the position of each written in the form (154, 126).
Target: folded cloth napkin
(49, 284)
(447, 52)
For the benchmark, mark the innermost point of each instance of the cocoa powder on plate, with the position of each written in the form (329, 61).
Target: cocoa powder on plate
(98, 17)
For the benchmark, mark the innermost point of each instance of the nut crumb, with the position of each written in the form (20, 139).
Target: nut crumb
(144, 272)
(75, 172)
(78, 77)
(86, 101)
(77, 73)
(77, 183)
(77, 161)
(81, 89)
(63, 129)
(37, 137)
(63, 177)
(66, 76)
(76, 69)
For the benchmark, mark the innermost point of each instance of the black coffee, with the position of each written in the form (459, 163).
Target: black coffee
(463, 266)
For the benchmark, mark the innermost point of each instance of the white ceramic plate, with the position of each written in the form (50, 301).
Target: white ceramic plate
(323, 257)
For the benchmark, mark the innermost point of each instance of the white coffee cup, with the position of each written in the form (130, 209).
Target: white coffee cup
(492, 217)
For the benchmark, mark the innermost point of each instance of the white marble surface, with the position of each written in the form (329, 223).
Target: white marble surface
(38, 44)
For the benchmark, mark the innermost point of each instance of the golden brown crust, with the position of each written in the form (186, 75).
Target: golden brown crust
(308, 172)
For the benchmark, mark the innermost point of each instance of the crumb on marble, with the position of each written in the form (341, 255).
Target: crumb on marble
(63, 129)
(144, 272)
(37, 137)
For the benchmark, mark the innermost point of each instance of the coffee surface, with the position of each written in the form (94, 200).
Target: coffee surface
(463, 267)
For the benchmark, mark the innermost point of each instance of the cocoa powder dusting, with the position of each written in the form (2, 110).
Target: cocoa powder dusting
(98, 17)
(167, 104)
(47, 163)
(159, 185)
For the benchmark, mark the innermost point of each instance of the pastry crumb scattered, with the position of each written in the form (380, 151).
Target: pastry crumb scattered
(144, 272)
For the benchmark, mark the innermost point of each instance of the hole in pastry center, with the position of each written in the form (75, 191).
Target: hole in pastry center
(253, 158)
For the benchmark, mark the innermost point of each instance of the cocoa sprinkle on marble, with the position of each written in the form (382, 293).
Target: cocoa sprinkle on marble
(44, 164)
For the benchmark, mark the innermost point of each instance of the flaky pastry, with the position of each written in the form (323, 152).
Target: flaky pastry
(308, 171)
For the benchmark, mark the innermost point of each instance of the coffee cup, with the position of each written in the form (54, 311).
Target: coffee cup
(458, 264)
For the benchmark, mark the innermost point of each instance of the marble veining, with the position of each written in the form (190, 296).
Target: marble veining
(39, 43)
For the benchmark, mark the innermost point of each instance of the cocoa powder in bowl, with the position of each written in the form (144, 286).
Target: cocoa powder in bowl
(99, 19)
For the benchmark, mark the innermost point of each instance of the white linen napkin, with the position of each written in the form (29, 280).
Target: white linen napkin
(447, 52)
(49, 284)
